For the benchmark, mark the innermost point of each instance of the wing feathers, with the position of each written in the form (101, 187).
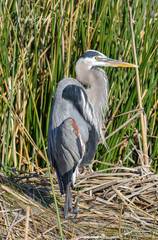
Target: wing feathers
(68, 150)
(79, 99)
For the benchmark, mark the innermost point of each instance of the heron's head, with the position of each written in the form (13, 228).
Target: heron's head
(92, 58)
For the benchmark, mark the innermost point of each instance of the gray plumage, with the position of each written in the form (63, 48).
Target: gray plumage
(76, 119)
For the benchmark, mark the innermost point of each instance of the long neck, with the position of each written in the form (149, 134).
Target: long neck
(98, 91)
(97, 80)
(98, 96)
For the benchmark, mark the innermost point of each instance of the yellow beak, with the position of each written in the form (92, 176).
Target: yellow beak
(109, 62)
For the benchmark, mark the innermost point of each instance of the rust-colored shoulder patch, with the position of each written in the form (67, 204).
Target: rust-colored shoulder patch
(75, 127)
(77, 132)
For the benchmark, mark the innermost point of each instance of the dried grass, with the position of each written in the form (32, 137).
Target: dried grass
(118, 205)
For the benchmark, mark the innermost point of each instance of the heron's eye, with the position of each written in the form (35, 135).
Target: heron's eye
(96, 58)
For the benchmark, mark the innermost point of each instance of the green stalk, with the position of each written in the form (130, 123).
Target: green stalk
(10, 109)
(44, 148)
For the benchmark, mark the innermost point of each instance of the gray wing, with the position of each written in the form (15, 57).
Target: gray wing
(72, 135)
(78, 97)
(66, 150)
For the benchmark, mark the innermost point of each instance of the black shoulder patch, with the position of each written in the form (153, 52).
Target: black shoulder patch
(79, 99)
(73, 93)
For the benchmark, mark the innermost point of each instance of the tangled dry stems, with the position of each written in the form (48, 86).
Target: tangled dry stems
(122, 204)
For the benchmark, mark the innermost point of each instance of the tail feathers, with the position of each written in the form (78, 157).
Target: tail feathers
(65, 179)
(60, 181)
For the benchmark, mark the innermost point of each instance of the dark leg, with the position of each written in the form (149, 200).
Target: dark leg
(70, 207)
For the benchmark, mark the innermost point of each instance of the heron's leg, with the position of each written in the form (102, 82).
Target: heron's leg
(68, 201)
(70, 207)
(76, 209)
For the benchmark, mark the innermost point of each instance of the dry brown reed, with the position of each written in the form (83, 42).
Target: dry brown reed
(122, 204)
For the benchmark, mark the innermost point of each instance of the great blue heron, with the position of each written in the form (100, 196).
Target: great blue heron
(76, 119)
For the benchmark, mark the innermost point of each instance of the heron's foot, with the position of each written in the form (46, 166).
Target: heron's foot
(76, 209)
(68, 211)
(66, 216)
(70, 215)
(72, 211)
